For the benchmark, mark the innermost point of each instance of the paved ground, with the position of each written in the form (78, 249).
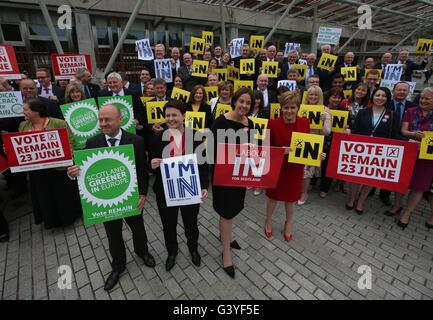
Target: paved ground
(321, 262)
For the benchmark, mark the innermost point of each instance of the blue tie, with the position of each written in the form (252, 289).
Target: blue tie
(400, 110)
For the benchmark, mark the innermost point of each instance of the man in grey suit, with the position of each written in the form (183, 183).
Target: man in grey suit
(112, 135)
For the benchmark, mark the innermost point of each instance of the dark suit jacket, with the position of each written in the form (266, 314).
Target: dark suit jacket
(349, 84)
(272, 98)
(407, 105)
(54, 110)
(387, 129)
(411, 66)
(140, 156)
(188, 80)
(156, 149)
(204, 107)
(57, 91)
(94, 90)
(257, 65)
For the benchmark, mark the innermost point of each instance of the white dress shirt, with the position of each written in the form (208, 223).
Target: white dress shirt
(121, 93)
(47, 92)
(118, 137)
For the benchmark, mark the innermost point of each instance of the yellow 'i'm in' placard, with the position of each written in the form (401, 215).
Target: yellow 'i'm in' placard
(306, 148)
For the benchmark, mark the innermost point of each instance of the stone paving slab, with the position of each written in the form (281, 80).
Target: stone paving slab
(330, 244)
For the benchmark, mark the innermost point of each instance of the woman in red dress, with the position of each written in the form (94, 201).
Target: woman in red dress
(289, 186)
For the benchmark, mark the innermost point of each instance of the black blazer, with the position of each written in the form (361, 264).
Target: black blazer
(94, 90)
(257, 65)
(140, 156)
(57, 91)
(411, 66)
(407, 105)
(272, 98)
(156, 148)
(388, 128)
(204, 107)
(54, 110)
(137, 105)
(188, 80)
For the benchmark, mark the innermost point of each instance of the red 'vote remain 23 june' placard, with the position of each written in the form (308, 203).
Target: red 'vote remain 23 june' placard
(36, 150)
(247, 166)
(377, 162)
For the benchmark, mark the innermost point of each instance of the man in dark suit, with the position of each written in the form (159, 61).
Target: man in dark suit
(114, 81)
(47, 89)
(409, 66)
(246, 54)
(385, 60)
(91, 90)
(110, 118)
(185, 73)
(291, 60)
(144, 77)
(349, 61)
(159, 54)
(269, 95)
(30, 91)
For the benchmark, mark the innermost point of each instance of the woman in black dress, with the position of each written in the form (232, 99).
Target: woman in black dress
(229, 201)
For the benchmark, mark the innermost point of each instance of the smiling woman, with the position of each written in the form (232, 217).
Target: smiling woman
(229, 201)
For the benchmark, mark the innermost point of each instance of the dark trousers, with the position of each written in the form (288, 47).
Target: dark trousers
(384, 194)
(115, 240)
(325, 182)
(169, 223)
(3, 224)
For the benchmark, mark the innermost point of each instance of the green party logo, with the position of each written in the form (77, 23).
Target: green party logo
(110, 186)
(125, 109)
(17, 109)
(82, 118)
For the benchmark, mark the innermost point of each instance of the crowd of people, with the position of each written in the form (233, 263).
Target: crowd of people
(374, 111)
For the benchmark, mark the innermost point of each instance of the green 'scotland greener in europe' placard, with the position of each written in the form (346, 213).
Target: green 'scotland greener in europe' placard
(125, 105)
(82, 119)
(107, 183)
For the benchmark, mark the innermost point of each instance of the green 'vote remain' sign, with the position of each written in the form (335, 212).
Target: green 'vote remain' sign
(107, 183)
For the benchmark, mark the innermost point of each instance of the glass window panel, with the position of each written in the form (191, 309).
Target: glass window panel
(102, 34)
(11, 32)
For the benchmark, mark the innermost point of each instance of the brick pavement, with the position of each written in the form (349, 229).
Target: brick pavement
(321, 262)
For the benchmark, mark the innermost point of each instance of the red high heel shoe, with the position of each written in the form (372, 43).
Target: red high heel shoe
(288, 237)
(268, 234)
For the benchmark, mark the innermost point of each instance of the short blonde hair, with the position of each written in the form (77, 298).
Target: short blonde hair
(290, 98)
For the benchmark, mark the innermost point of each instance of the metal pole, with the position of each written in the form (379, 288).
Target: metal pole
(50, 26)
(123, 36)
(355, 34)
(223, 27)
(407, 37)
(313, 32)
(289, 7)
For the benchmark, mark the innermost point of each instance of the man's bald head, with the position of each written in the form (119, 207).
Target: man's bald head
(110, 109)
(28, 89)
(110, 118)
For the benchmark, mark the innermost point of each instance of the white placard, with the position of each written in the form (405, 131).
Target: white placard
(163, 70)
(236, 47)
(393, 72)
(181, 180)
(391, 83)
(329, 35)
(287, 83)
(11, 104)
(291, 47)
(144, 50)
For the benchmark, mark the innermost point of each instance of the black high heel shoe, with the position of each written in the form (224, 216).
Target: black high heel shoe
(230, 270)
(402, 225)
(428, 225)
